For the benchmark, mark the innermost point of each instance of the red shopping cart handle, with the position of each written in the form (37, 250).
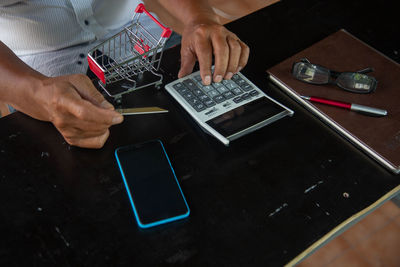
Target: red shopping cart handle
(166, 31)
(96, 69)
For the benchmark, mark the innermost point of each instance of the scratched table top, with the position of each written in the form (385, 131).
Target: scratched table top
(261, 201)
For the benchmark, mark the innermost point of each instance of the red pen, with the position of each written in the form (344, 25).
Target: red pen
(370, 111)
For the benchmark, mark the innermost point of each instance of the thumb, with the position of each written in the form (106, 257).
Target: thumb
(87, 91)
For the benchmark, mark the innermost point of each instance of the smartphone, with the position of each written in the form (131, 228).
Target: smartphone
(153, 189)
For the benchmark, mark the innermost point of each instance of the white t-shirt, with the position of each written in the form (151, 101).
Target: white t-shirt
(54, 36)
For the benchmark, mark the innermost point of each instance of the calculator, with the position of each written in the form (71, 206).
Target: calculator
(229, 109)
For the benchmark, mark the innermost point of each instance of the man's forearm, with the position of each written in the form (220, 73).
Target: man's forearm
(178, 13)
(17, 78)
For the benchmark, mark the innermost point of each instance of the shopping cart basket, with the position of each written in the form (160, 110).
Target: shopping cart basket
(121, 61)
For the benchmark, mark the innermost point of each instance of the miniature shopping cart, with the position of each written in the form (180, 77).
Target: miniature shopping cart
(129, 60)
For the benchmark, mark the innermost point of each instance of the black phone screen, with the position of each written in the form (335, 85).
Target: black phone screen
(153, 189)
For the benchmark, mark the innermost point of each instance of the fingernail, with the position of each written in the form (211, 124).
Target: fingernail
(117, 119)
(207, 80)
(238, 69)
(218, 78)
(107, 105)
(228, 76)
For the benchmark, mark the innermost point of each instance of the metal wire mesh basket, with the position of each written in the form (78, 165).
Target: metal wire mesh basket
(120, 61)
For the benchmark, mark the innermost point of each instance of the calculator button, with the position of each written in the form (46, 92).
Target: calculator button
(228, 95)
(188, 95)
(246, 96)
(198, 92)
(236, 77)
(230, 84)
(209, 103)
(246, 87)
(217, 85)
(178, 86)
(222, 89)
(236, 91)
(208, 88)
(219, 98)
(213, 93)
(183, 90)
(238, 99)
(199, 107)
(240, 81)
(193, 101)
(254, 93)
(190, 84)
(204, 98)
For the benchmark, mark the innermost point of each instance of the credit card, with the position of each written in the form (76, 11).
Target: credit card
(143, 110)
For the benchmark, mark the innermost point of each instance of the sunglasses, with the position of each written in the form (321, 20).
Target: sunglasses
(355, 82)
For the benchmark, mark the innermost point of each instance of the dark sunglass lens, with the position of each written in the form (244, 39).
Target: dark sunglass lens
(310, 73)
(356, 82)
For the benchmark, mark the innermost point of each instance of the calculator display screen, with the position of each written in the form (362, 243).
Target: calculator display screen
(245, 116)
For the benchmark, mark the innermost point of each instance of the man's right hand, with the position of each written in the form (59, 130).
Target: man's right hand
(76, 108)
(71, 102)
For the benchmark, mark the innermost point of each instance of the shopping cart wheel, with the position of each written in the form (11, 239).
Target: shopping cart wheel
(118, 101)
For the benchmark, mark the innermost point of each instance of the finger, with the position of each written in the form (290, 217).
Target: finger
(188, 60)
(87, 91)
(244, 56)
(86, 111)
(82, 129)
(221, 55)
(83, 110)
(235, 51)
(204, 55)
(91, 142)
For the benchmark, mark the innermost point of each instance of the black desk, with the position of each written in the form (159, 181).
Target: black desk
(262, 201)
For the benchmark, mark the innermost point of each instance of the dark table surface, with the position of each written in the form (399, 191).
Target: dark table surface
(261, 201)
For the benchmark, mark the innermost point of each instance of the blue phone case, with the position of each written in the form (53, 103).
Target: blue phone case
(171, 219)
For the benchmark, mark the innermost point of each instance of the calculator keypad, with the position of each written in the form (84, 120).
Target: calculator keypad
(201, 97)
